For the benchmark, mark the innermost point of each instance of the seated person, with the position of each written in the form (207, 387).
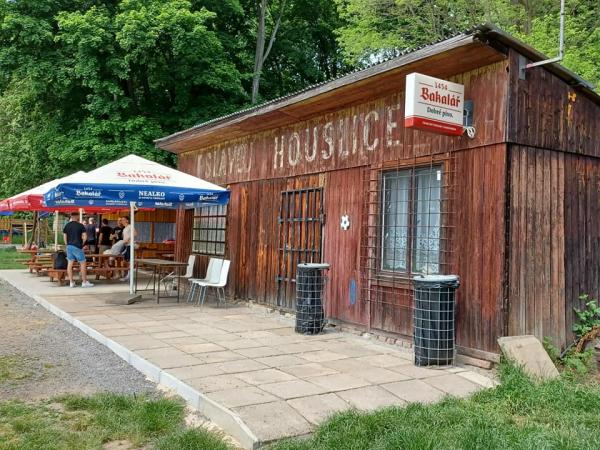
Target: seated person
(104, 241)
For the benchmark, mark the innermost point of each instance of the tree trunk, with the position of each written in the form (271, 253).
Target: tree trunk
(260, 49)
(33, 229)
(261, 54)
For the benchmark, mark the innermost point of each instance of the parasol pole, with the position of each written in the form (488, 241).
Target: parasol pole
(56, 219)
(132, 249)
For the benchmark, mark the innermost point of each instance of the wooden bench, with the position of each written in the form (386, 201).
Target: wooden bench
(36, 265)
(60, 275)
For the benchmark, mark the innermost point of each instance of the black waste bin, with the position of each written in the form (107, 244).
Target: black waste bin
(433, 324)
(310, 314)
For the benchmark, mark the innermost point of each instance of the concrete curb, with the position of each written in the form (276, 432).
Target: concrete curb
(226, 419)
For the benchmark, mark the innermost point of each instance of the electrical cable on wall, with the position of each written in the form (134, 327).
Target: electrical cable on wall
(470, 131)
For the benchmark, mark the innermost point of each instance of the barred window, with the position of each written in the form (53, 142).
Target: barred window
(411, 220)
(210, 223)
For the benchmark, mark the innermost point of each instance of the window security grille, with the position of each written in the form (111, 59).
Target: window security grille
(210, 225)
(407, 227)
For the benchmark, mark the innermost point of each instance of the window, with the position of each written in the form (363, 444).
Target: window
(411, 220)
(164, 231)
(209, 230)
(143, 230)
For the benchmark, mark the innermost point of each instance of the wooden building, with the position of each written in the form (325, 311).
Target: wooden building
(514, 211)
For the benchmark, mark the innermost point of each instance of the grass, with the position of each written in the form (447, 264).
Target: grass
(9, 259)
(77, 422)
(13, 368)
(519, 414)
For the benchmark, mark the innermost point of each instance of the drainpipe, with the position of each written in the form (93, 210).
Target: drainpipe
(561, 41)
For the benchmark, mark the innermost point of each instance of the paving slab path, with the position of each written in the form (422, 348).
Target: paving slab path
(245, 368)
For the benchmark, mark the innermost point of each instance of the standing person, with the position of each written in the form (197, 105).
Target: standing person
(90, 231)
(127, 241)
(74, 235)
(104, 242)
(118, 231)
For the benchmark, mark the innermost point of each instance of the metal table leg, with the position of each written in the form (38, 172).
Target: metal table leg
(157, 276)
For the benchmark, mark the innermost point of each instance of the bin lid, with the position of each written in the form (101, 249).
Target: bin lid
(436, 278)
(313, 266)
(436, 281)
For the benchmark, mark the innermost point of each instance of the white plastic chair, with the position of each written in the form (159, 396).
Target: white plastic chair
(219, 285)
(213, 271)
(189, 273)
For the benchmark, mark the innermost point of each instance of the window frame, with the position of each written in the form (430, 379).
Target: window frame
(411, 221)
(198, 216)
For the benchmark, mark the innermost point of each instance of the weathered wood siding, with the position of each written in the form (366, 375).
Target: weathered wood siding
(479, 246)
(582, 232)
(545, 112)
(555, 240)
(537, 243)
(184, 230)
(253, 234)
(554, 136)
(368, 133)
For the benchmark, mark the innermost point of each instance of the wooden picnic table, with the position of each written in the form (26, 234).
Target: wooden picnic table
(102, 261)
(159, 267)
(35, 251)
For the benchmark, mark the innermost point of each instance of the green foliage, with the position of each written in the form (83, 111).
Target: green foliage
(518, 414)
(552, 350)
(582, 36)
(377, 28)
(83, 83)
(572, 363)
(306, 51)
(577, 363)
(588, 317)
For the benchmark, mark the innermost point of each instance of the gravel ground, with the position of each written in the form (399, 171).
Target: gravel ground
(47, 356)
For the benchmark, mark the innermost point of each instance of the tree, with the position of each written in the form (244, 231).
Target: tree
(375, 29)
(261, 54)
(305, 50)
(85, 84)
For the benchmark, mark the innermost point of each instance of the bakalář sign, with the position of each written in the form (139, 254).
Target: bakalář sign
(433, 104)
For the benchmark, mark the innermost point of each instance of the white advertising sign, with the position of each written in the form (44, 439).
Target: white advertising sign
(433, 104)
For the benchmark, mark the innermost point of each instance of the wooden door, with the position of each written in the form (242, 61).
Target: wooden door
(301, 221)
(345, 198)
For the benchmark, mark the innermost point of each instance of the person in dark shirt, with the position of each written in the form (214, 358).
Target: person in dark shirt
(74, 235)
(118, 231)
(90, 231)
(104, 241)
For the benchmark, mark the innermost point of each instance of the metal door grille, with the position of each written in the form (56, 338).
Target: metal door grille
(300, 238)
